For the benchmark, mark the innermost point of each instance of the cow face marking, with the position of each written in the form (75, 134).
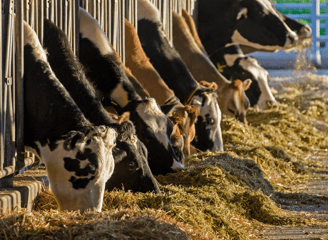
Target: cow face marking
(159, 124)
(260, 75)
(230, 59)
(208, 129)
(154, 130)
(80, 183)
(120, 95)
(83, 165)
(242, 13)
(77, 174)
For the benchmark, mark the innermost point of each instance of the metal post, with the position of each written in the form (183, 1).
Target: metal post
(315, 13)
(19, 86)
(77, 27)
(2, 151)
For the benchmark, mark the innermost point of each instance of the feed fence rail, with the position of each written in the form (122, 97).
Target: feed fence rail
(111, 15)
(65, 14)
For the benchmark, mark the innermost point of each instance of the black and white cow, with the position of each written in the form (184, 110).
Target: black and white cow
(129, 149)
(108, 77)
(77, 155)
(304, 33)
(233, 64)
(254, 23)
(176, 75)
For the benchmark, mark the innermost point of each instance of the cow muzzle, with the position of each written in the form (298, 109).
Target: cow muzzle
(291, 39)
(305, 32)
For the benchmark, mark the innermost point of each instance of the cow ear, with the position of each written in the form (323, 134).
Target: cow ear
(247, 83)
(242, 13)
(124, 117)
(72, 139)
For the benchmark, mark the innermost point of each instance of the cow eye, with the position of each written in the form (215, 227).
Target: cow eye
(132, 166)
(210, 121)
(232, 111)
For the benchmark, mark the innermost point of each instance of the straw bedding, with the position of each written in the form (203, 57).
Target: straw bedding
(219, 195)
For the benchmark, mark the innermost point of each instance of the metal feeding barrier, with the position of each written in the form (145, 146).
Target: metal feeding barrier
(65, 14)
(110, 14)
(166, 7)
(62, 12)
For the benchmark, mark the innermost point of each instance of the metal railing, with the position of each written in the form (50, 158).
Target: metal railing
(166, 7)
(315, 17)
(110, 14)
(64, 13)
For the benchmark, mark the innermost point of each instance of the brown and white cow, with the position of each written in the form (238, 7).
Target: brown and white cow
(182, 117)
(254, 23)
(77, 155)
(231, 96)
(176, 75)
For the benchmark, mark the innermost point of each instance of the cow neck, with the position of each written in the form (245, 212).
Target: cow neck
(48, 105)
(138, 62)
(70, 73)
(193, 30)
(165, 59)
(142, 92)
(197, 62)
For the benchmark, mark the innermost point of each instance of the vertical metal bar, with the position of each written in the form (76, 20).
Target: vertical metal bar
(65, 17)
(36, 17)
(19, 86)
(32, 16)
(46, 15)
(114, 23)
(110, 26)
(40, 20)
(52, 11)
(315, 12)
(73, 26)
(1, 96)
(77, 27)
(122, 35)
(60, 12)
(6, 120)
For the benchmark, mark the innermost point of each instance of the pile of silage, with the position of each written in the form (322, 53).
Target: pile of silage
(205, 197)
(116, 224)
(217, 195)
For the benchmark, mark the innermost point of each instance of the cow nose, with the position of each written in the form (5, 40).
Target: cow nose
(242, 117)
(271, 103)
(305, 31)
(292, 39)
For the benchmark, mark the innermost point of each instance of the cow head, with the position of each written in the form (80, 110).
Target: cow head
(303, 31)
(131, 171)
(208, 129)
(258, 24)
(78, 167)
(233, 100)
(183, 119)
(259, 93)
(154, 130)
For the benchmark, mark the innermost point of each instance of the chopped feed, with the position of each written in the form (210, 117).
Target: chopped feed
(219, 195)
